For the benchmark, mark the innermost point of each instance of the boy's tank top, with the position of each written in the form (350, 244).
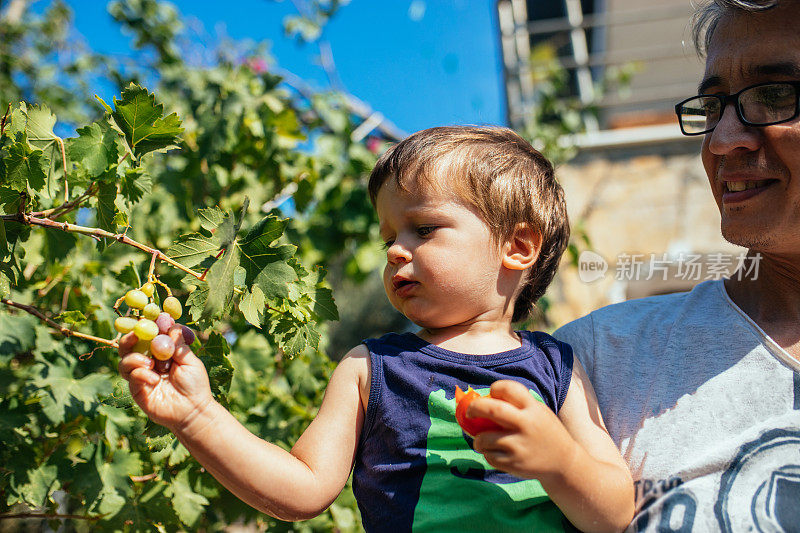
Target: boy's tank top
(415, 468)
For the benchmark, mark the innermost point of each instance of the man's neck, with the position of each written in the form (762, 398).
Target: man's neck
(772, 298)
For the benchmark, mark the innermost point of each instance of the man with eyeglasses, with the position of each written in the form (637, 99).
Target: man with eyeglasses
(701, 390)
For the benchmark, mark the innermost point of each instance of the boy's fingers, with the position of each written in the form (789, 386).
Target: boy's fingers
(176, 334)
(126, 343)
(145, 375)
(512, 392)
(499, 411)
(131, 362)
(183, 354)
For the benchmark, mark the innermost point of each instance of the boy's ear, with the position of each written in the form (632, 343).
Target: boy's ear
(522, 248)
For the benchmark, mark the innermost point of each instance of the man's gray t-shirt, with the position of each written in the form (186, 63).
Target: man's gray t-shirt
(704, 407)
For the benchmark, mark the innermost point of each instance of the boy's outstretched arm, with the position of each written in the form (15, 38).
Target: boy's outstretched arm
(292, 485)
(571, 454)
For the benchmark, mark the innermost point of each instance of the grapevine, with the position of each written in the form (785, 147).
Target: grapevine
(58, 186)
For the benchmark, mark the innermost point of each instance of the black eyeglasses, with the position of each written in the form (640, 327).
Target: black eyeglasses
(762, 104)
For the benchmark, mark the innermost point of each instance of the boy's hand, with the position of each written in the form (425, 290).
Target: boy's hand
(171, 400)
(534, 443)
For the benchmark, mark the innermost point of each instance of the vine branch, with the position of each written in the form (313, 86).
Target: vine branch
(98, 233)
(66, 207)
(48, 516)
(55, 325)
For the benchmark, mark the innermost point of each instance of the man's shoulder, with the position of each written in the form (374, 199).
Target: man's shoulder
(634, 315)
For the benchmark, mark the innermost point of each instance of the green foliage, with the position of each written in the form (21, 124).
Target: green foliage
(198, 169)
(556, 116)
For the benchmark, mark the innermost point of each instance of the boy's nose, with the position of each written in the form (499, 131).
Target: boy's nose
(398, 254)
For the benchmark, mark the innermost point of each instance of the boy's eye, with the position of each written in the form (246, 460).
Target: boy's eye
(424, 231)
(387, 244)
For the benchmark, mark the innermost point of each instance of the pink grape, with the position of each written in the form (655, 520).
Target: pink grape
(162, 347)
(164, 322)
(162, 367)
(188, 335)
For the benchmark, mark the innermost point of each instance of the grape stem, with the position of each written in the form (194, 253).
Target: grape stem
(142, 479)
(98, 233)
(55, 325)
(152, 266)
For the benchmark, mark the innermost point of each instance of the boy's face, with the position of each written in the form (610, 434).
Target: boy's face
(443, 267)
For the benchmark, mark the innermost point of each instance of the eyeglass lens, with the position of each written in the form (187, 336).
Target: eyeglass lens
(759, 106)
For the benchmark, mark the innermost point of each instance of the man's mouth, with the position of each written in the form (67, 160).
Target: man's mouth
(746, 185)
(740, 190)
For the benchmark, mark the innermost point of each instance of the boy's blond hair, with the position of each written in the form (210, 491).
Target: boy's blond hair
(498, 173)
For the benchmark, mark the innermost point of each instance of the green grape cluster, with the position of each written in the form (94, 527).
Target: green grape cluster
(152, 325)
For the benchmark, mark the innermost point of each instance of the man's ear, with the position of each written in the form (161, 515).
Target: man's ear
(522, 248)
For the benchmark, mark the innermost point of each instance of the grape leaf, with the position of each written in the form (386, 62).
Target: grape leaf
(60, 390)
(294, 336)
(58, 243)
(72, 317)
(94, 149)
(266, 265)
(9, 198)
(106, 210)
(191, 249)
(5, 285)
(39, 484)
(143, 123)
(196, 301)
(188, 504)
(214, 354)
(252, 306)
(134, 184)
(24, 168)
(39, 126)
(39, 130)
(321, 297)
(18, 121)
(4, 249)
(220, 282)
(211, 217)
(116, 421)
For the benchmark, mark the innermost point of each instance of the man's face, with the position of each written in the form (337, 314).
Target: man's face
(745, 50)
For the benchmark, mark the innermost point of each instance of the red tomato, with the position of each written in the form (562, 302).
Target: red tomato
(471, 425)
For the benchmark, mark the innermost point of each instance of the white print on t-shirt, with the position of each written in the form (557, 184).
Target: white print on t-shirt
(759, 491)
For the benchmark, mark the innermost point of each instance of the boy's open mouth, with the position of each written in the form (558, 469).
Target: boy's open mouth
(402, 285)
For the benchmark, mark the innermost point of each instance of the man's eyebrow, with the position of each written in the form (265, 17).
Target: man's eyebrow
(708, 82)
(787, 69)
(782, 69)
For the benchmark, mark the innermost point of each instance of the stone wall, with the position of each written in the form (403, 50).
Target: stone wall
(647, 211)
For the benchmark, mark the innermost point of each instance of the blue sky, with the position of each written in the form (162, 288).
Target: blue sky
(421, 63)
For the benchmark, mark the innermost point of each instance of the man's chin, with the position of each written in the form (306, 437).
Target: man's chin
(747, 238)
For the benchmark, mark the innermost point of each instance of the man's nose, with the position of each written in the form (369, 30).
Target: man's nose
(731, 134)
